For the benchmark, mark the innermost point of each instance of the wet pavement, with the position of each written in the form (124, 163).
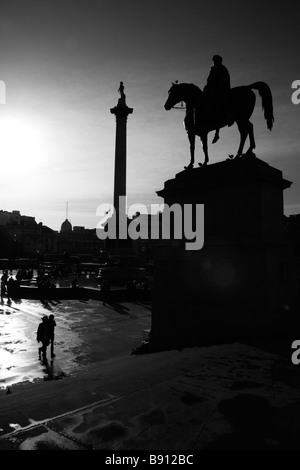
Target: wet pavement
(219, 397)
(229, 396)
(86, 333)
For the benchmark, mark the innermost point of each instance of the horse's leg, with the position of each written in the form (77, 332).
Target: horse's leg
(216, 136)
(191, 136)
(243, 128)
(251, 138)
(205, 149)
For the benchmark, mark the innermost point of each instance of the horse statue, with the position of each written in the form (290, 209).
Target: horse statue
(201, 118)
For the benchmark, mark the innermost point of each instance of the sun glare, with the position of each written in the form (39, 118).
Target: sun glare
(20, 146)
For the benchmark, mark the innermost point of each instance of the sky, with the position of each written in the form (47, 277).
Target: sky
(62, 62)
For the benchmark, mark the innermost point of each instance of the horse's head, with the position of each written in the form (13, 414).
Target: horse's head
(187, 92)
(174, 96)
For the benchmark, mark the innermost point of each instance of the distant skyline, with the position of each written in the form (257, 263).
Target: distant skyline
(62, 62)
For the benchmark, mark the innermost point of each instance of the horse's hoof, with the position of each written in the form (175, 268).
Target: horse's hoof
(202, 164)
(189, 167)
(234, 157)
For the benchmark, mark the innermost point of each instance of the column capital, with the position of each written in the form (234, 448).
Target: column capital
(121, 110)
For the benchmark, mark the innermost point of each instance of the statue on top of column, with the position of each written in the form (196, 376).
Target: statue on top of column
(121, 91)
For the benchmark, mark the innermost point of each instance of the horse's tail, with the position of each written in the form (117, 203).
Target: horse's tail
(267, 101)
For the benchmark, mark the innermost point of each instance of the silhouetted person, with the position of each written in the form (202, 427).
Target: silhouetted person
(3, 284)
(30, 273)
(43, 337)
(105, 293)
(19, 275)
(75, 284)
(132, 290)
(51, 327)
(218, 88)
(10, 288)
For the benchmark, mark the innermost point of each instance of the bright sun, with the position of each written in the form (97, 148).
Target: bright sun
(20, 146)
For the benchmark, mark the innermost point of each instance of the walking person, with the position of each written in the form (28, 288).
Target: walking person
(3, 284)
(10, 289)
(105, 293)
(43, 337)
(51, 326)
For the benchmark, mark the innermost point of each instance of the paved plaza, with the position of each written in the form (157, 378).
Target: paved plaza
(87, 333)
(220, 397)
(96, 395)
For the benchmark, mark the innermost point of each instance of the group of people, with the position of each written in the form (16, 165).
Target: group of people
(9, 286)
(45, 335)
(44, 283)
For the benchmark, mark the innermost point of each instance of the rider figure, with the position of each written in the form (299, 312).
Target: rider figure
(218, 87)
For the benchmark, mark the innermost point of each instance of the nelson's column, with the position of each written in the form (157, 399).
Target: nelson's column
(121, 111)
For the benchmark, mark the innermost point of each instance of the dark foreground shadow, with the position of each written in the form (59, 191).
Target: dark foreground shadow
(257, 425)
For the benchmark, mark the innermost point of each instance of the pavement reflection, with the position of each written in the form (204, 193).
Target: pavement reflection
(86, 333)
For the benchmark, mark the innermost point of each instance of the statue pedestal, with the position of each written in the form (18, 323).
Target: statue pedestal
(241, 281)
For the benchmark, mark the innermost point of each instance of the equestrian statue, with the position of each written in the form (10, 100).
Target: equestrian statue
(219, 105)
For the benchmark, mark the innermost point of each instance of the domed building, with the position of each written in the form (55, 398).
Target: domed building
(77, 240)
(66, 227)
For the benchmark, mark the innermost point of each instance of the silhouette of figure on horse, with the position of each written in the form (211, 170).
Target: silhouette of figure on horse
(217, 93)
(219, 105)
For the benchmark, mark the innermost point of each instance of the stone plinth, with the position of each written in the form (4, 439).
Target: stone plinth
(242, 278)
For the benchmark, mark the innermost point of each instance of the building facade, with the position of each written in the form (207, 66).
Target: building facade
(22, 237)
